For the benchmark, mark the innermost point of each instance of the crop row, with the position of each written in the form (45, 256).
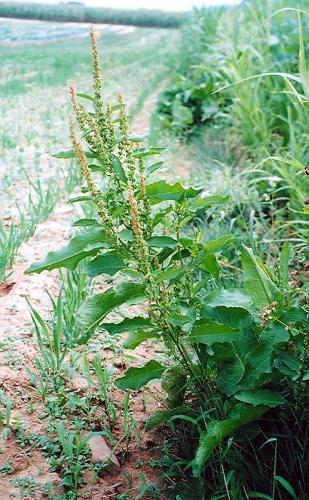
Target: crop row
(81, 13)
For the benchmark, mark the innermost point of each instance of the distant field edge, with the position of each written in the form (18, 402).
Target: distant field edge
(79, 13)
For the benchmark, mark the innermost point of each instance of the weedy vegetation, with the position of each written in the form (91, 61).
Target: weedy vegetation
(235, 360)
(189, 299)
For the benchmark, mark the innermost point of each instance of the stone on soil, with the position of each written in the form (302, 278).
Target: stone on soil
(100, 452)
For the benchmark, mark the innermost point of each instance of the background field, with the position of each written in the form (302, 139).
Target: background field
(80, 13)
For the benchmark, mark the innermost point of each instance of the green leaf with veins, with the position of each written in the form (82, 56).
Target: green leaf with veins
(127, 325)
(162, 242)
(86, 223)
(84, 245)
(261, 397)
(162, 191)
(260, 285)
(159, 417)
(135, 378)
(136, 337)
(108, 263)
(230, 372)
(207, 202)
(217, 430)
(229, 298)
(218, 245)
(92, 312)
(211, 332)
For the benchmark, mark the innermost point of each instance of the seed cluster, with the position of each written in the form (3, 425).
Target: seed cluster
(124, 190)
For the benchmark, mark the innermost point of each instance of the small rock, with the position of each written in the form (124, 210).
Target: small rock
(79, 383)
(100, 452)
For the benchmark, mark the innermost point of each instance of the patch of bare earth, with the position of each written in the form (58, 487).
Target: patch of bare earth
(17, 354)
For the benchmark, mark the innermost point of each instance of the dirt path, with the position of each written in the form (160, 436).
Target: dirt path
(17, 353)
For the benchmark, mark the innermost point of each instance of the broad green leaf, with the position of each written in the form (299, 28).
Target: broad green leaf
(85, 96)
(182, 115)
(217, 245)
(306, 376)
(210, 264)
(131, 273)
(162, 242)
(138, 138)
(81, 246)
(162, 191)
(208, 201)
(275, 333)
(65, 154)
(218, 430)
(279, 479)
(86, 223)
(95, 308)
(71, 154)
(159, 417)
(260, 286)
(229, 374)
(115, 107)
(170, 274)
(152, 168)
(135, 378)
(135, 338)
(126, 235)
(109, 263)
(127, 325)
(119, 169)
(229, 298)
(295, 315)
(258, 362)
(290, 360)
(212, 332)
(261, 397)
(142, 152)
(286, 256)
(160, 215)
(174, 382)
(81, 198)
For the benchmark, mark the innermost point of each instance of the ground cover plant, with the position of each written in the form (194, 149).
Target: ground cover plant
(82, 13)
(234, 359)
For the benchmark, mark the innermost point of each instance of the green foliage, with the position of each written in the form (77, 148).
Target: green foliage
(233, 353)
(189, 99)
(80, 13)
(251, 79)
(135, 378)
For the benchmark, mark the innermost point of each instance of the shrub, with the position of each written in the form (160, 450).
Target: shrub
(232, 354)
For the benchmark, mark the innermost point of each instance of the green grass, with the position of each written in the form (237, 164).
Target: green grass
(81, 13)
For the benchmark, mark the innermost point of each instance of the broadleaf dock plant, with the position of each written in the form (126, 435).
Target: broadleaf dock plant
(235, 353)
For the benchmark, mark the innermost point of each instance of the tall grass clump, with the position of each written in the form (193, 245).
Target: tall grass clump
(251, 79)
(233, 365)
